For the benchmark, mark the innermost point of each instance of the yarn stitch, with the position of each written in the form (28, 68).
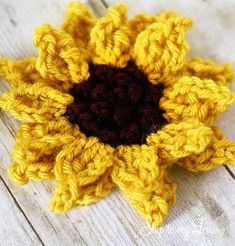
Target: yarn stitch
(49, 146)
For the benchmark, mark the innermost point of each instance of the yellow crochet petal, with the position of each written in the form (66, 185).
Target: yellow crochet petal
(144, 182)
(177, 140)
(192, 97)
(221, 74)
(219, 151)
(33, 156)
(110, 38)
(35, 103)
(83, 174)
(18, 72)
(161, 48)
(141, 21)
(59, 57)
(78, 23)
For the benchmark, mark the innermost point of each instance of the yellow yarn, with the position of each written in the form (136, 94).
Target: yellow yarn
(82, 170)
(161, 48)
(178, 140)
(192, 97)
(48, 146)
(205, 69)
(140, 22)
(78, 23)
(33, 158)
(59, 58)
(110, 38)
(35, 102)
(145, 183)
(17, 72)
(219, 151)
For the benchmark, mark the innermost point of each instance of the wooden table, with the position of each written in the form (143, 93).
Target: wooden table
(204, 211)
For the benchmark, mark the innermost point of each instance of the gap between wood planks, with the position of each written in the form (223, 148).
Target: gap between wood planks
(21, 210)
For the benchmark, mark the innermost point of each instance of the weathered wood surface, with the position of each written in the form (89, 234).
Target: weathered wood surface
(204, 211)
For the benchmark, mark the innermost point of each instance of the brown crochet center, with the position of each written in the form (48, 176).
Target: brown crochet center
(117, 105)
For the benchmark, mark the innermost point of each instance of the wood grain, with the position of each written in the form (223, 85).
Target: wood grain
(15, 228)
(203, 213)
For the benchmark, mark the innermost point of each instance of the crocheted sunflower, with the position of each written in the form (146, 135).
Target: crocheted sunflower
(114, 102)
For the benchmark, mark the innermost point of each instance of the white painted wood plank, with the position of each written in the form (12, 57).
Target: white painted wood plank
(14, 228)
(111, 221)
(19, 18)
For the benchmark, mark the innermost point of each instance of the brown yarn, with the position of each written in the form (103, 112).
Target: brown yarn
(117, 105)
